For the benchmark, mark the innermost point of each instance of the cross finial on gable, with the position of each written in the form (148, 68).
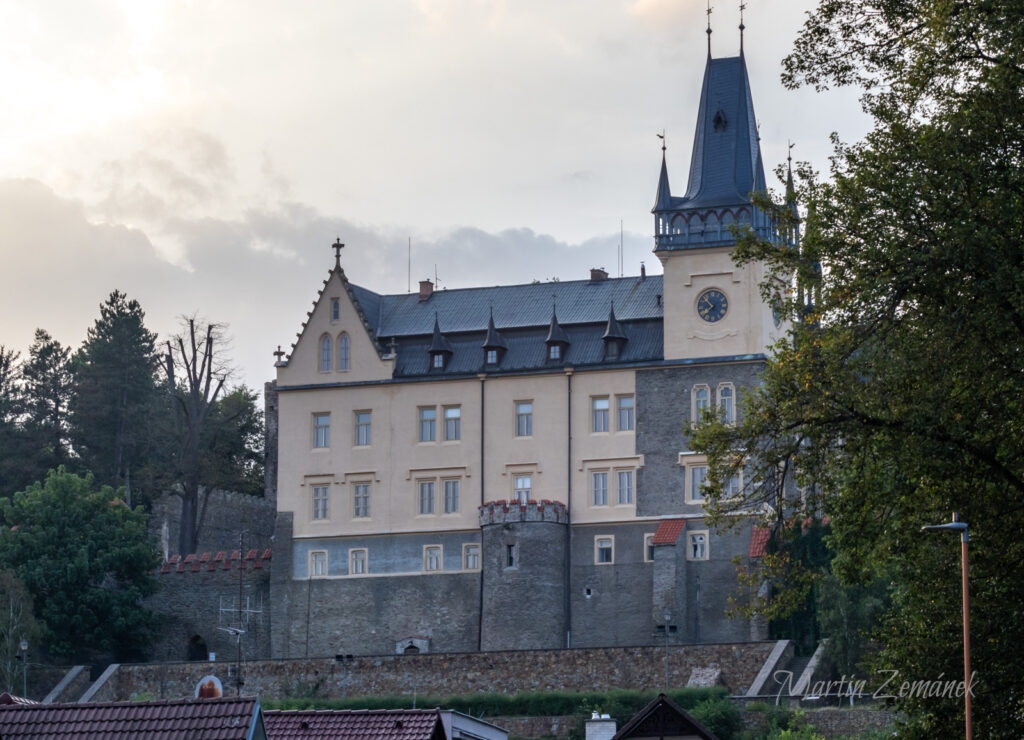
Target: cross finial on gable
(709, 27)
(279, 354)
(338, 246)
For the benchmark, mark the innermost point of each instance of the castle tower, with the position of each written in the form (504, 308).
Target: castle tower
(524, 575)
(712, 307)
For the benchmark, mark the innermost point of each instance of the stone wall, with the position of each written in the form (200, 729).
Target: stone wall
(227, 514)
(443, 674)
(199, 597)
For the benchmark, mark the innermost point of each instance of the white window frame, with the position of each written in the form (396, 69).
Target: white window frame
(522, 487)
(318, 565)
(452, 423)
(524, 418)
(451, 495)
(437, 361)
(699, 405)
(361, 499)
(727, 411)
(344, 352)
(358, 566)
(364, 429)
(629, 412)
(554, 352)
(321, 431)
(698, 538)
(600, 549)
(427, 416)
(694, 495)
(321, 503)
(427, 490)
(468, 556)
(631, 478)
(600, 411)
(326, 354)
(433, 558)
(599, 487)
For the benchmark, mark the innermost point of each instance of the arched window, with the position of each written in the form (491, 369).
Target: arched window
(727, 403)
(701, 401)
(343, 352)
(325, 354)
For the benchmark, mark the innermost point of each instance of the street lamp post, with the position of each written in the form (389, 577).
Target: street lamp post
(958, 526)
(668, 616)
(24, 667)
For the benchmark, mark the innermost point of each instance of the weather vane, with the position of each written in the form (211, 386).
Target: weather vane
(662, 137)
(743, 6)
(709, 27)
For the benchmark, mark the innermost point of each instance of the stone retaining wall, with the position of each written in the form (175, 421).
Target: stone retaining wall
(444, 674)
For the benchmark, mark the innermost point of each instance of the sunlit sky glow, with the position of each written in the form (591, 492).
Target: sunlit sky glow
(202, 156)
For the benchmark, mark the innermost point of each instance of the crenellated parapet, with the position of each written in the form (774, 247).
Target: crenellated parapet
(223, 560)
(508, 512)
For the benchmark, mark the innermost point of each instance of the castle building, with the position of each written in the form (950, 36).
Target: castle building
(508, 467)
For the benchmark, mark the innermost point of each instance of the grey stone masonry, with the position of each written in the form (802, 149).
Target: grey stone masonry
(270, 424)
(524, 575)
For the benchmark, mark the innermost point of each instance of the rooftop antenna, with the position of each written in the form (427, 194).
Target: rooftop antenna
(620, 247)
(408, 269)
(709, 28)
(743, 5)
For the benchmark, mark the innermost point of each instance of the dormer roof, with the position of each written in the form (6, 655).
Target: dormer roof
(493, 340)
(556, 334)
(439, 343)
(613, 329)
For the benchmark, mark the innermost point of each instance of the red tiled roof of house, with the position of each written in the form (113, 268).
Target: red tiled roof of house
(354, 724)
(668, 531)
(196, 719)
(758, 541)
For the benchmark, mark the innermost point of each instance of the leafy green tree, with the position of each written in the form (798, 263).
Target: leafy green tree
(87, 561)
(46, 391)
(899, 395)
(114, 402)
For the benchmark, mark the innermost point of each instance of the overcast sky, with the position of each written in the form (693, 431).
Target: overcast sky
(202, 156)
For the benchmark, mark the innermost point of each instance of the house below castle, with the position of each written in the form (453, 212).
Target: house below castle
(509, 467)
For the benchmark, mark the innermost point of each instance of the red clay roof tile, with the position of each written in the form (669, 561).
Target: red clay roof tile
(668, 531)
(758, 541)
(361, 724)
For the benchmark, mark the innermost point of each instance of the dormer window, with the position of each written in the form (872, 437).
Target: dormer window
(492, 357)
(557, 340)
(440, 348)
(494, 344)
(438, 361)
(555, 352)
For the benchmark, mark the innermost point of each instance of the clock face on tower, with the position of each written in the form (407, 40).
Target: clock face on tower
(712, 305)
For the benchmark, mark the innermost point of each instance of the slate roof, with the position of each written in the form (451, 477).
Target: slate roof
(196, 719)
(347, 724)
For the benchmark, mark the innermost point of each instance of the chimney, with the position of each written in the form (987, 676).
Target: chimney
(426, 290)
(600, 727)
(597, 274)
(643, 271)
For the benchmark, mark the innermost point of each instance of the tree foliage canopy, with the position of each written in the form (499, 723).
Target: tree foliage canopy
(899, 395)
(87, 561)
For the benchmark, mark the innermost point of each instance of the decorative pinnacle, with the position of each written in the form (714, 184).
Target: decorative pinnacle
(279, 354)
(743, 5)
(662, 137)
(338, 246)
(709, 27)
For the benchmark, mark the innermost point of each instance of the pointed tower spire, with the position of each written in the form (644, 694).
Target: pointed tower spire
(663, 201)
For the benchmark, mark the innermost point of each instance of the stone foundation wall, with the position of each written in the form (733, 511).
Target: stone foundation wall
(443, 674)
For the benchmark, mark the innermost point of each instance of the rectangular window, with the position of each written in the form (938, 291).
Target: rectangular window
(321, 430)
(733, 486)
(648, 548)
(335, 309)
(727, 403)
(438, 360)
(362, 428)
(604, 550)
(697, 475)
(626, 420)
(701, 401)
(524, 418)
(320, 502)
(428, 424)
(625, 481)
(451, 496)
(361, 500)
(698, 549)
(357, 562)
(318, 563)
(600, 488)
(452, 423)
(492, 357)
(427, 497)
(471, 557)
(432, 557)
(555, 352)
(600, 414)
(511, 556)
(523, 489)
